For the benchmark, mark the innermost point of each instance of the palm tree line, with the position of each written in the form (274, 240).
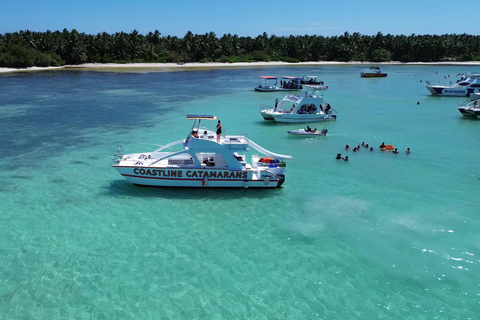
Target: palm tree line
(26, 48)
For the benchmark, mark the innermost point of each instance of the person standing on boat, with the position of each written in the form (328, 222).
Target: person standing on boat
(276, 105)
(219, 131)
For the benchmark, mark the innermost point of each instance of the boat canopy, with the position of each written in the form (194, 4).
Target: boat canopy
(200, 117)
(292, 78)
(267, 77)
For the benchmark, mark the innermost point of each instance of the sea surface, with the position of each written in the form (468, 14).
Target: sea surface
(382, 236)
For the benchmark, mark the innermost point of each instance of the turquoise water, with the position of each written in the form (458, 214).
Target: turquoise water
(381, 236)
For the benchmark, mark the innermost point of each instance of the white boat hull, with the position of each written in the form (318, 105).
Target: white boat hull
(201, 177)
(302, 118)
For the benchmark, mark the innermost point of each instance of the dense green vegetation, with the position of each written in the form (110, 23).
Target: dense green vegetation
(25, 48)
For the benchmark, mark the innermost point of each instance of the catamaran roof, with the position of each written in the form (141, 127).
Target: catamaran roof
(267, 77)
(200, 116)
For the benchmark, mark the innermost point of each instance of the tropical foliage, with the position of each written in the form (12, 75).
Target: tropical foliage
(26, 48)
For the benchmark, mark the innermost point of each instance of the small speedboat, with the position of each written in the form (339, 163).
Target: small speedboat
(470, 109)
(467, 85)
(303, 132)
(203, 160)
(372, 72)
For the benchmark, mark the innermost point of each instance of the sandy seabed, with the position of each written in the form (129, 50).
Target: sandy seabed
(135, 67)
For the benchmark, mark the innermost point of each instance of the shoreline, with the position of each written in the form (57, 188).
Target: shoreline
(135, 67)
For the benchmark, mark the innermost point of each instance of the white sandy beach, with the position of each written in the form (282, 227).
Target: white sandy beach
(215, 65)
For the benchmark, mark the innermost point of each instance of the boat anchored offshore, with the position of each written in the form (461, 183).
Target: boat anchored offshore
(269, 84)
(307, 106)
(311, 80)
(470, 109)
(467, 85)
(372, 72)
(203, 161)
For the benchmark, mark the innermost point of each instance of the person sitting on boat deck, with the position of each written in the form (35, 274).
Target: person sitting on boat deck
(407, 151)
(315, 130)
(205, 134)
(308, 129)
(194, 134)
(209, 162)
(219, 131)
(339, 156)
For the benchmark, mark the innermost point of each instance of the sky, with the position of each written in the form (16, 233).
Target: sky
(245, 17)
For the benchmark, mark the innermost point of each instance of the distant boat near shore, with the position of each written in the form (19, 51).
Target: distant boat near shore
(373, 72)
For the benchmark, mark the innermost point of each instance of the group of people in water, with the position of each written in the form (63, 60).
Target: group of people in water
(357, 148)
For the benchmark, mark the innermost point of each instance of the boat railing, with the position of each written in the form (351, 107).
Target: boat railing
(264, 107)
(235, 141)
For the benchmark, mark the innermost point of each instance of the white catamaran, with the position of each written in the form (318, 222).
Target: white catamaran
(202, 161)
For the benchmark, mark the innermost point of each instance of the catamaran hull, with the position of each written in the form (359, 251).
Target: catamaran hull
(201, 178)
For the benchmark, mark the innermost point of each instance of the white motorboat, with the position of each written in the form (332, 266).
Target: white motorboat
(269, 84)
(306, 132)
(311, 80)
(467, 85)
(470, 109)
(307, 106)
(202, 161)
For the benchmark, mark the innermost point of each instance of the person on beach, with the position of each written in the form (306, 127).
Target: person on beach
(219, 131)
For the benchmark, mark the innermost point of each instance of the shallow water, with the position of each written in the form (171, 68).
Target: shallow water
(381, 236)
